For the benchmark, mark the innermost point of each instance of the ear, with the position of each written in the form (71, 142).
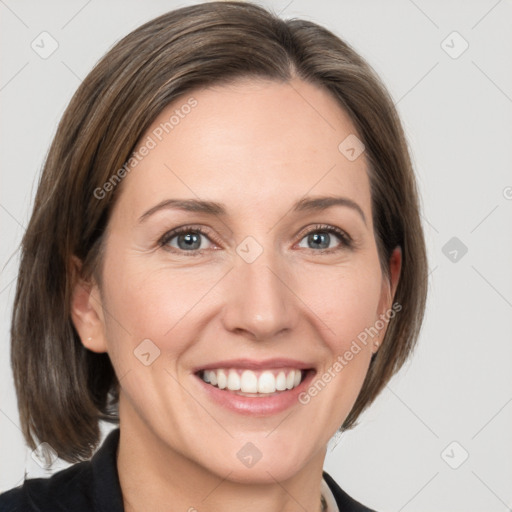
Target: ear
(87, 310)
(389, 287)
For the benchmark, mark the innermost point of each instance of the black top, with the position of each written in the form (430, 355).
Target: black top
(93, 486)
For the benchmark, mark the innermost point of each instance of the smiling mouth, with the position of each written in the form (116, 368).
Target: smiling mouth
(251, 383)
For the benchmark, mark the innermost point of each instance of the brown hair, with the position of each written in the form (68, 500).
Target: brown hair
(64, 389)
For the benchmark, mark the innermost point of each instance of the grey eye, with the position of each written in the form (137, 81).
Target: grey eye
(319, 240)
(188, 241)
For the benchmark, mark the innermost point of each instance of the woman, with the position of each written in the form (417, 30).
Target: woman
(226, 257)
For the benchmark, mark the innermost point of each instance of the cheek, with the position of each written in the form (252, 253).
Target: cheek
(346, 302)
(155, 302)
(345, 307)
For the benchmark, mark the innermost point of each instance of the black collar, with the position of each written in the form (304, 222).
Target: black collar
(106, 489)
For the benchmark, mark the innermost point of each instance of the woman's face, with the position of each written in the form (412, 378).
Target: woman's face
(263, 279)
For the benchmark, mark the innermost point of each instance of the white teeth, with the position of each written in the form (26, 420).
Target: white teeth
(222, 379)
(281, 381)
(247, 381)
(266, 383)
(233, 380)
(290, 379)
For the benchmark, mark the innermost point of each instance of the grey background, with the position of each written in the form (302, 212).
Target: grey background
(457, 115)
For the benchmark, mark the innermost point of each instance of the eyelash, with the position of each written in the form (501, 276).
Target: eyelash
(346, 240)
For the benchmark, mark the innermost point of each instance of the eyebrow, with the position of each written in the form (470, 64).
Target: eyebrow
(309, 204)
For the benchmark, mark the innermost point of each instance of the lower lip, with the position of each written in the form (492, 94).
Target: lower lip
(259, 406)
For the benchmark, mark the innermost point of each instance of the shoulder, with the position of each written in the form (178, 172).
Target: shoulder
(67, 489)
(87, 486)
(343, 500)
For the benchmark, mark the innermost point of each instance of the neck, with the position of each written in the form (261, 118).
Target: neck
(153, 476)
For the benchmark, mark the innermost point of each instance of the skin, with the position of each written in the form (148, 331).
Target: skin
(257, 147)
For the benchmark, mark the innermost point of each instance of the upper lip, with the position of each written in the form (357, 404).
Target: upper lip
(253, 364)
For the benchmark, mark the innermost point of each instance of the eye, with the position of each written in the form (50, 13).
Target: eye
(193, 240)
(324, 238)
(186, 239)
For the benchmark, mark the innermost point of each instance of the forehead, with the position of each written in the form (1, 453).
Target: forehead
(248, 144)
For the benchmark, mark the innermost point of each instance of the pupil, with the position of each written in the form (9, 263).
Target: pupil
(316, 237)
(190, 240)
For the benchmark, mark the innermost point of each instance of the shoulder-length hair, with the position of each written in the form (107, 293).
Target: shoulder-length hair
(64, 389)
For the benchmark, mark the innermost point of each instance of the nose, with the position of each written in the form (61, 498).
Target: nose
(260, 302)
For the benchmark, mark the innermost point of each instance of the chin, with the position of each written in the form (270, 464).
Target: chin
(248, 464)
